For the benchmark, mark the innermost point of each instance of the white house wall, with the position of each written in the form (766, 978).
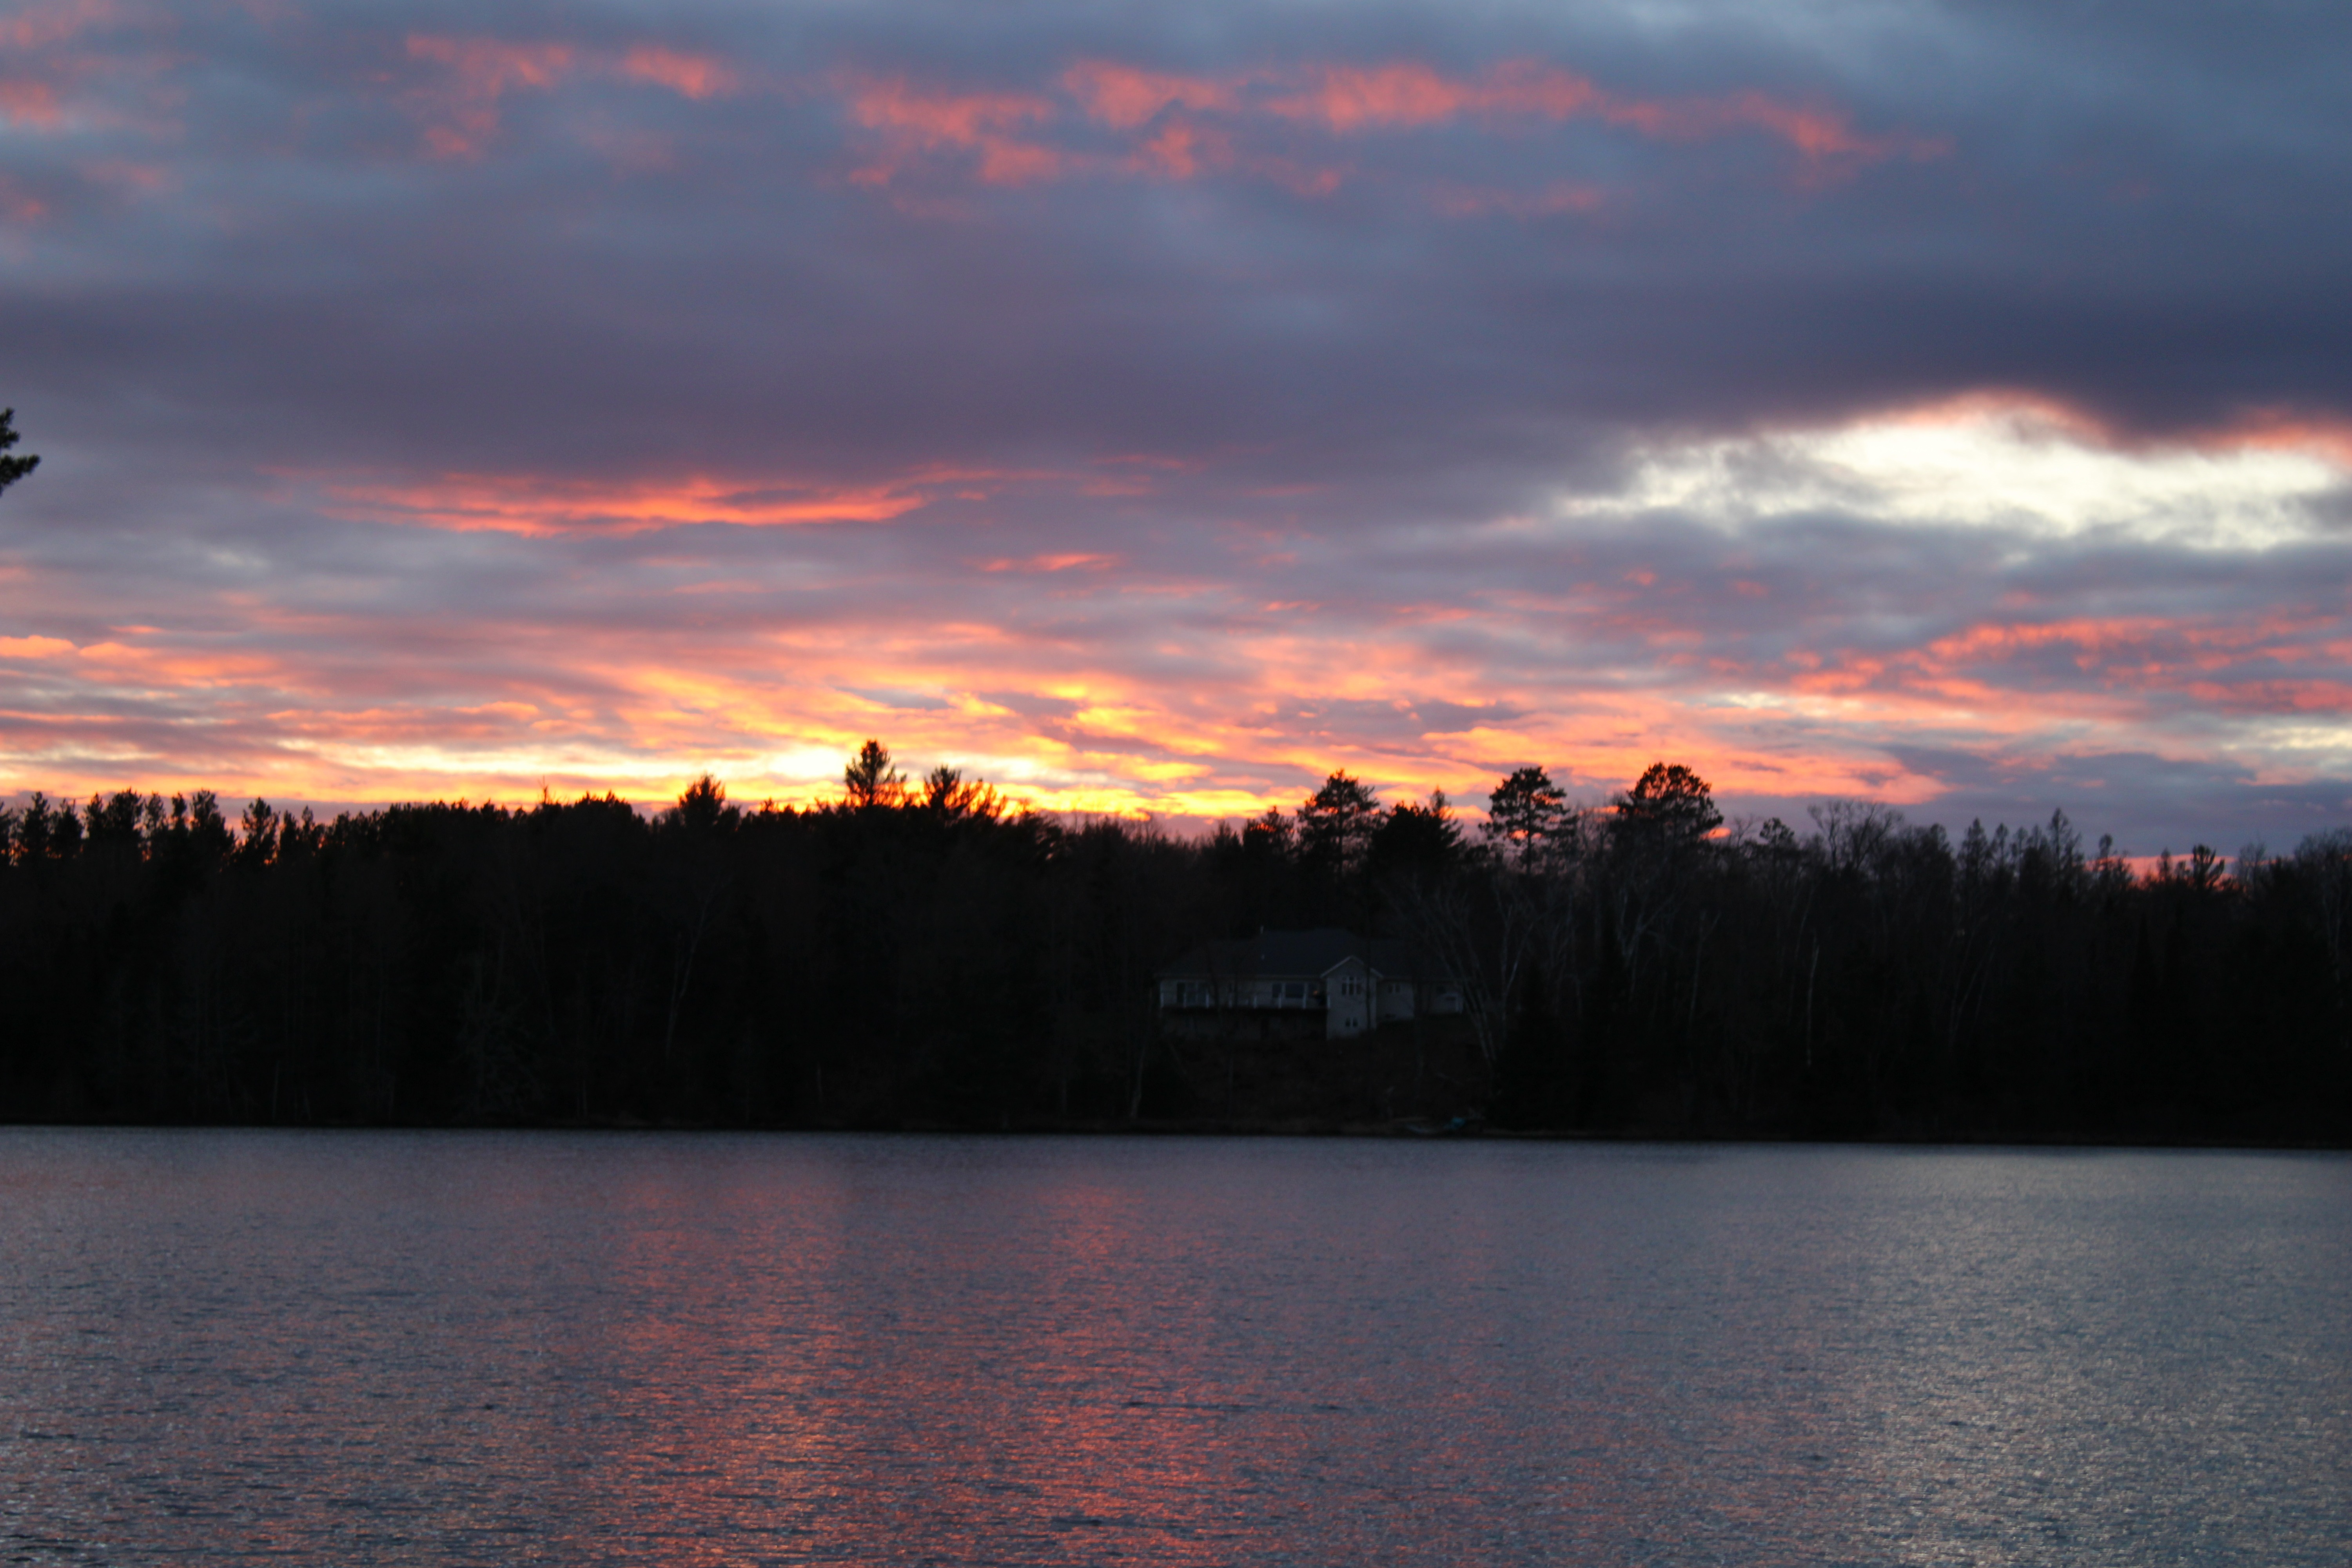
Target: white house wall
(1353, 997)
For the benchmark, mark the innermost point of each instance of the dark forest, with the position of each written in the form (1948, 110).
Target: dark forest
(927, 955)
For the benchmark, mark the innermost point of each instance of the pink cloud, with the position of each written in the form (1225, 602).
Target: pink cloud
(1180, 150)
(40, 27)
(1347, 99)
(487, 67)
(1350, 100)
(463, 107)
(2285, 429)
(913, 120)
(2009, 675)
(29, 101)
(1124, 97)
(688, 75)
(49, 65)
(1186, 127)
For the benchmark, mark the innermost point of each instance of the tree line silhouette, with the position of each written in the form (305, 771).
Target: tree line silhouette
(928, 954)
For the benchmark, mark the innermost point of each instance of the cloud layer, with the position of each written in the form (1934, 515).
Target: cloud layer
(1153, 412)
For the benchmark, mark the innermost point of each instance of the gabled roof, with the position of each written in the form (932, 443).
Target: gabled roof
(1296, 954)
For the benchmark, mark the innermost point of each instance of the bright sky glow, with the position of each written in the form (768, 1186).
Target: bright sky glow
(1155, 410)
(2013, 470)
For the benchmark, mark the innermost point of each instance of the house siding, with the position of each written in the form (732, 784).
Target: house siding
(1329, 976)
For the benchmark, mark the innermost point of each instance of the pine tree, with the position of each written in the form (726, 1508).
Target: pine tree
(13, 469)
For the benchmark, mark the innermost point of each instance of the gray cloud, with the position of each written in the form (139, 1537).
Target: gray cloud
(2159, 242)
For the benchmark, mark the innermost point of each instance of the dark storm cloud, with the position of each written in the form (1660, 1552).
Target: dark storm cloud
(392, 237)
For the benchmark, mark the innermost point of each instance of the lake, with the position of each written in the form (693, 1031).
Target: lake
(375, 1348)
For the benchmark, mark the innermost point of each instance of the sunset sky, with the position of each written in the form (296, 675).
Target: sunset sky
(1156, 409)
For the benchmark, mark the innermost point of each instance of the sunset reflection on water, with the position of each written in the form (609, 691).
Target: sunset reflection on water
(386, 1347)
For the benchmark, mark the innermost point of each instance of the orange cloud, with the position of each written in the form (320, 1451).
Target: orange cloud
(531, 505)
(34, 647)
(1062, 562)
(1056, 720)
(1083, 682)
(2142, 644)
(150, 665)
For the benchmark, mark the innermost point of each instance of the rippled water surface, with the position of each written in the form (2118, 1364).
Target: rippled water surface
(358, 1348)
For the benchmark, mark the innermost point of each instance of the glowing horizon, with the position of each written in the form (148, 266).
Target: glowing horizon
(1153, 421)
(1229, 743)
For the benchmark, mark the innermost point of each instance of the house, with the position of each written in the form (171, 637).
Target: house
(1289, 981)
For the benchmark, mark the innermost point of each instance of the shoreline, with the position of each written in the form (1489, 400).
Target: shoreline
(1305, 1130)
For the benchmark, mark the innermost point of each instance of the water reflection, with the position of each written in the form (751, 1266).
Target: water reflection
(701, 1350)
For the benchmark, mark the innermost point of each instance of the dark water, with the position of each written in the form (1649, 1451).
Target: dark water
(544, 1348)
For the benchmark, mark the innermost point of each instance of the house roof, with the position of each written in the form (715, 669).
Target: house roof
(1296, 954)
